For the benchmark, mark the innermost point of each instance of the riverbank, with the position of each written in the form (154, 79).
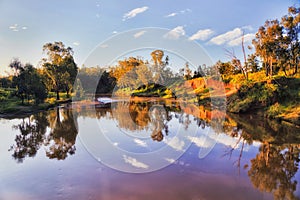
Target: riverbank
(270, 97)
(277, 98)
(19, 110)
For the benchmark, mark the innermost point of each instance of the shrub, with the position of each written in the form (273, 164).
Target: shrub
(275, 110)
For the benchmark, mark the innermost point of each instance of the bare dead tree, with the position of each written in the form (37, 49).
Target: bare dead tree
(236, 62)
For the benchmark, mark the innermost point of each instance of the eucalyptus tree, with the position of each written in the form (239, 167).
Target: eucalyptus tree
(59, 67)
(161, 72)
(277, 43)
(267, 43)
(291, 25)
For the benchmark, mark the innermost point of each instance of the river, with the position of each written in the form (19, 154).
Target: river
(147, 150)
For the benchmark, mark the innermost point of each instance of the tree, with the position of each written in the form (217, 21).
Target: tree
(59, 67)
(160, 72)
(277, 43)
(144, 75)
(187, 72)
(70, 75)
(124, 72)
(16, 66)
(267, 43)
(291, 25)
(5, 82)
(252, 62)
(157, 56)
(237, 62)
(37, 86)
(79, 91)
(29, 82)
(225, 68)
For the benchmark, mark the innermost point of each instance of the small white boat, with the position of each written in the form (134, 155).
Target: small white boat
(105, 100)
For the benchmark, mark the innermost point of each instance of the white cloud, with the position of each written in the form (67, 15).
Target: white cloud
(228, 36)
(180, 12)
(175, 143)
(202, 35)
(186, 10)
(14, 27)
(134, 12)
(247, 38)
(171, 14)
(115, 144)
(140, 142)
(170, 160)
(104, 46)
(134, 162)
(76, 43)
(202, 141)
(115, 32)
(226, 140)
(175, 33)
(208, 141)
(139, 34)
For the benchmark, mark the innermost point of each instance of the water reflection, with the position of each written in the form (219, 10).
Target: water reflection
(62, 137)
(272, 169)
(31, 137)
(55, 130)
(158, 115)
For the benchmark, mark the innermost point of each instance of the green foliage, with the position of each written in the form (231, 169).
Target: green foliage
(241, 106)
(79, 92)
(153, 90)
(5, 82)
(8, 101)
(279, 97)
(275, 110)
(96, 77)
(277, 43)
(29, 83)
(59, 68)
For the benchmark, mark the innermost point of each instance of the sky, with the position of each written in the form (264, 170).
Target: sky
(84, 25)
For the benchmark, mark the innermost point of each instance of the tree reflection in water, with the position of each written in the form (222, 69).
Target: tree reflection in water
(272, 170)
(135, 116)
(62, 137)
(31, 137)
(275, 166)
(60, 141)
(158, 117)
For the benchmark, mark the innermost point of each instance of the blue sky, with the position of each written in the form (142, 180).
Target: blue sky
(25, 26)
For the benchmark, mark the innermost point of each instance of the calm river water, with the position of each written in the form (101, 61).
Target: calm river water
(147, 150)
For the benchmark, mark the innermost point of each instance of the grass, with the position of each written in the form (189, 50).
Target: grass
(153, 90)
(11, 105)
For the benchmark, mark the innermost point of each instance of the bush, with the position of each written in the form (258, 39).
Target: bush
(2, 98)
(242, 105)
(275, 110)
